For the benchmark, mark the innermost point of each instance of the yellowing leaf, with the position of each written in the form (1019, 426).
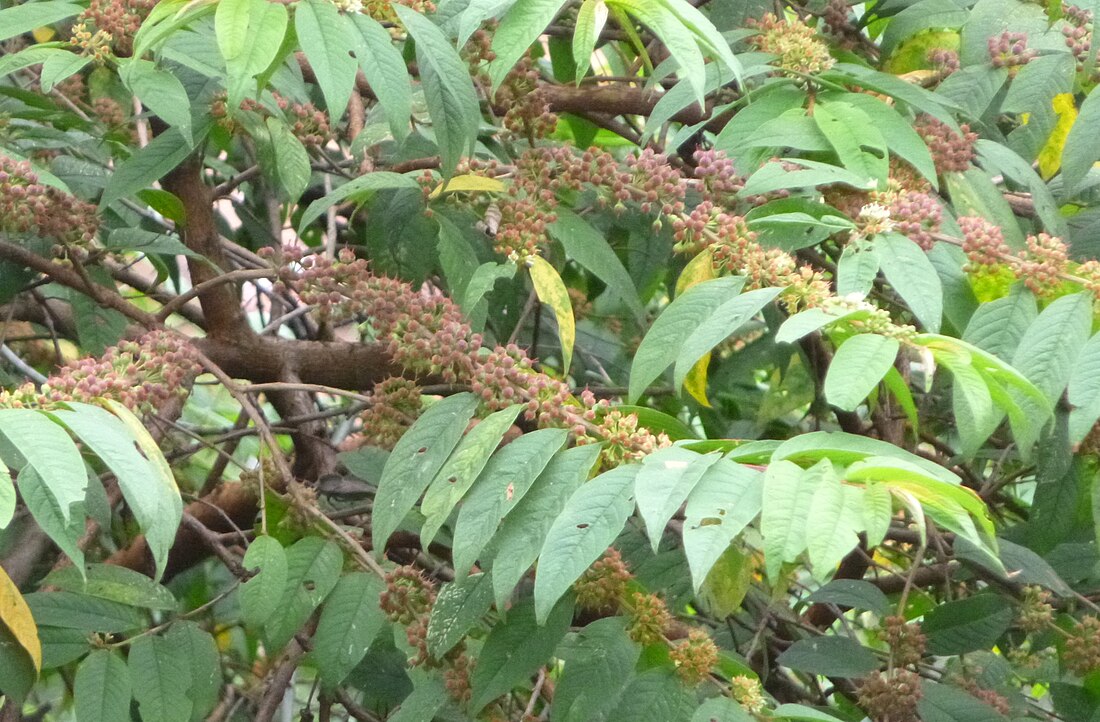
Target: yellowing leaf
(698, 269)
(16, 616)
(551, 291)
(44, 34)
(468, 183)
(1050, 157)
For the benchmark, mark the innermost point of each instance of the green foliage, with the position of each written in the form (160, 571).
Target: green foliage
(511, 359)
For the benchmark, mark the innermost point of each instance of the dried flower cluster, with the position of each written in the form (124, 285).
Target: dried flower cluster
(602, 588)
(891, 696)
(142, 375)
(1082, 653)
(905, 640)
(29, 206)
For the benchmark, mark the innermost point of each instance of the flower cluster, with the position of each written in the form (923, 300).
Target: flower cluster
(950, 151)
(308, 123)
(395, 404)
(837, 17)
(983, 243)
(891, 696)
(905, 640)
(522, 229)
(1036, 612)
(748, 692)
(943, 61)
(1041, 264)
(720, 180)
(990, 697)
(625, 440)
(115, 22)
(142, 375)
(1077, 31)
(1009, 50)
(602, 588)
(796, 45)
(649, 619)
(914, 214)
(29, 206)
(1082, 653)
(382, 10)
(694, 656)
(656, 186)
(528, 112)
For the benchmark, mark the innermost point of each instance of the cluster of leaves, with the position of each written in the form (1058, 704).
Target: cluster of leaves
(429, 476)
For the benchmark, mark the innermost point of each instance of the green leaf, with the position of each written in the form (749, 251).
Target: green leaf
(856, 271)
(151, 163)
(200, 652)
(286, 162)
(591, 18)
(655, 694)
(833, 522)
(61, 66)
(161, 92)
(551, 291)
(802, 712)
(599, 662)
(832, 656)
(854, 594)
(725, 320)
(458, 607)
(313, 569)
(259, 596)
(967, 625)
(385, 70)
(878, 510)
(1085, 153)
(588, 247)
(1083, 393)
(41, 445)
(349, 622)
(855, 138)
(148, 487)
(161, 678)
(7, 497)
(590, 521)
(898, 132)
(947, 703)
(721, 505)
(999, 325)
(415, 459)
(452, 102)
(358, 189)
(913, 276)
(325, 36)
(516, 648)
(28, 16)
(519, 28)
(43, 506)
(857, 368)
(788, 491)
(520, 538)
(250, 34)
(663, 483)
(773, 176)
(503, 483)
(804, 323)
(461, 470)
(845, 449)
(997, 158)
(80, 611)
(679, 40)
(113, 583)
(974, 194)
(721, 709)
(975, 417)
(674, 326)
(1050, 346)
(427, 697)
(101, 689)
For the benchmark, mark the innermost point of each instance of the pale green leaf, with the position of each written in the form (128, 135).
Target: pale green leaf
(61, 66)
(674, 326)
(43, 506)
(663, 483)
(161, 677)
(358, 189)
(503, 483)
(7, 497)
(519, 28)
(591, 18)
(833, 522)
(590, 521)
(1083, 393)
(28, 16)
(313, 569)
(326, 37)
(114, 583)
(458, 607)
(913, 276)
(151, 163)
(461, 470)
(516, 544)
(721, 505)
(200, 652)
(856, 271)
(161, 92)
(856, 140)
(1051, 344)
(349, 622)
(385, 70)
(788, 491)
(101, 689)
(259, 595)
(43, 446)
(857, 368)
(999, 325)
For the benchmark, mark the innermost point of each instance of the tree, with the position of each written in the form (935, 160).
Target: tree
(337, 370)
